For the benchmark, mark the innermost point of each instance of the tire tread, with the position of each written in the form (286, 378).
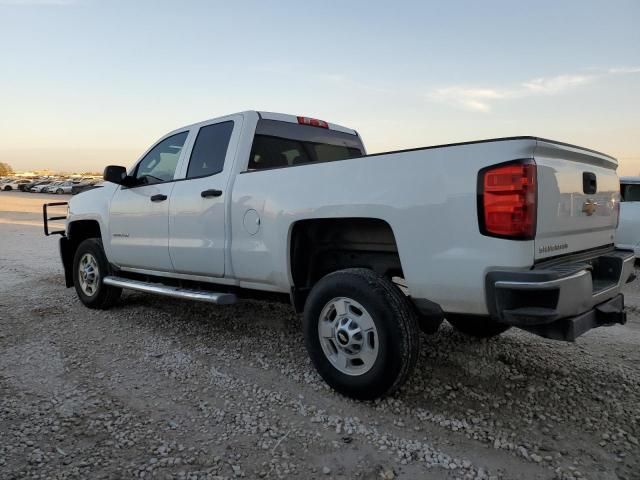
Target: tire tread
(107, 295)
(404, 315)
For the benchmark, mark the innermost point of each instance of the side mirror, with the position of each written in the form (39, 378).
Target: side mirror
(115, 174)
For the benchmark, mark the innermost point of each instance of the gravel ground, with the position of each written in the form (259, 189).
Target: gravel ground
(161, 388)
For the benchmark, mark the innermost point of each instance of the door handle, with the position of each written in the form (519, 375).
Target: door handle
(158, 198)
(211, 193)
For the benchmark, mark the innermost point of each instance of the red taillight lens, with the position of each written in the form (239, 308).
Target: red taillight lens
(507, 200)
(314, 122)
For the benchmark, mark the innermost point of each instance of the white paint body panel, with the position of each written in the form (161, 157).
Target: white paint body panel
(139, 228)
(427, 196)
(197, 240)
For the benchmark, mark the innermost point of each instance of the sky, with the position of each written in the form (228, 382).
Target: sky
(86, 83)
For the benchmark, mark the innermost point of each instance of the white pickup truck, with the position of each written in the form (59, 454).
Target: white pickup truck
(511, 232)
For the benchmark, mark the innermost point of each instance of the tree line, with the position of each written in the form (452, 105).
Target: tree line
(5, 169)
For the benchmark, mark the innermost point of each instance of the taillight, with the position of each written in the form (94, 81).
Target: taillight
(507, 200)
(314, 122)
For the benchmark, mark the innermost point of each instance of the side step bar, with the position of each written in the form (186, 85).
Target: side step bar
(176, 292)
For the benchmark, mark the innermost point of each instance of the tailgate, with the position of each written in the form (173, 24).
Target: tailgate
(578, 195)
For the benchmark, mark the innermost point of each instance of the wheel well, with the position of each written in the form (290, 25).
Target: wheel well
(322, 246)
(77, 232)
(82, 229)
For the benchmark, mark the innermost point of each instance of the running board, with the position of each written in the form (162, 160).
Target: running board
(176, 292)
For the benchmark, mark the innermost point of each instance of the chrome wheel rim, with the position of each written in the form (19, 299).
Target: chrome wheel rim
(348, 336)
(88, 274)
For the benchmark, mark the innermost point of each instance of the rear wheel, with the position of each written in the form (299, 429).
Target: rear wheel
(59, 191)
(479, 327)
(361, 333)
(90, 266)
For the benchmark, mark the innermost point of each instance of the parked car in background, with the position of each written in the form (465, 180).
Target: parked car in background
(83, 186)
(59, 187)
(35, 183)
(40, 186)
(14, 185)
(628, 232)
(51, 187)
(24, 187)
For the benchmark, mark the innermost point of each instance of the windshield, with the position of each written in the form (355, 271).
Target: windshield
(285, 144)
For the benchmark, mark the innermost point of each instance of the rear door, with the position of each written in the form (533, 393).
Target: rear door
(578, 199)
(139, 215)
(197, 212)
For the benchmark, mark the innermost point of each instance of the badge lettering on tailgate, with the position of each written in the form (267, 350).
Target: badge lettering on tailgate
(553, 248)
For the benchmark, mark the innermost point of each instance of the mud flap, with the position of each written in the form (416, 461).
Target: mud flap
(66, 255)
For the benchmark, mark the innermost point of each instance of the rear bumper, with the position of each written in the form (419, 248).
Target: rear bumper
(564, 300)
(568, 329)
(634, 248)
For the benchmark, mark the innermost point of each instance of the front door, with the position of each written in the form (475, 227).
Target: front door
(139, 215)
(197, 209)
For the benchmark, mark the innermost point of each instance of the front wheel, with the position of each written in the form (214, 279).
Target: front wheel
(59, 191)
(90, 266)
(361, 333)
(479, 327)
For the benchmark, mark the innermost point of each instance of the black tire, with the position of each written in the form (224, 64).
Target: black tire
(103, 296)
(398, 334)
(59, 191)
(7, 188)
(478, 327)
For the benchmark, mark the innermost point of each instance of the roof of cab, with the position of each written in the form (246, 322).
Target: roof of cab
(283, 117)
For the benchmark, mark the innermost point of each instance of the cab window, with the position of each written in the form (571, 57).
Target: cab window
(210, 150)
(630, 192)
(278, 144)
(159, 165)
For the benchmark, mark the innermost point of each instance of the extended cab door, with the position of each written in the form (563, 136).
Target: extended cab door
(139, 215)
(197, 209)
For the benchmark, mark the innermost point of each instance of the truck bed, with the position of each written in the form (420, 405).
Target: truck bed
(428, 197)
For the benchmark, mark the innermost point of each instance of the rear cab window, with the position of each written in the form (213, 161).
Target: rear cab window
(279, 144)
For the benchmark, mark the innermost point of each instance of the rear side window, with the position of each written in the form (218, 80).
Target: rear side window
(630, 192)
(285, 144)
(210, 149)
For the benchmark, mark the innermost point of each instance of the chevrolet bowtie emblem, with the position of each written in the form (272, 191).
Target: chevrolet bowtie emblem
(589, 207)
